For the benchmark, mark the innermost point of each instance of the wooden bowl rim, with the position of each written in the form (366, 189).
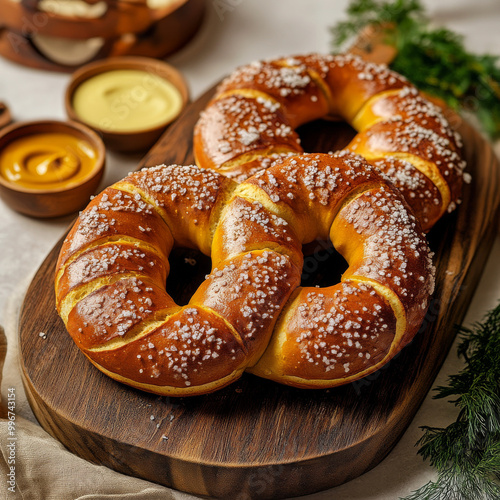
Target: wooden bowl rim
(5, 115)
(18, 14)
(14, 131)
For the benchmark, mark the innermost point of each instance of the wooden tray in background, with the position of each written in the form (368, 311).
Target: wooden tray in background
(256, 438)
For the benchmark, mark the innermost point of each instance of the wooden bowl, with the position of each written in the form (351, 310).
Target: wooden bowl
(56, 42)
(5, 116)
(102, 19)
(142, 138)
(53, 202)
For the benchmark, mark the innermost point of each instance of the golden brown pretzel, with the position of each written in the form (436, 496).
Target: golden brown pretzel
(111, 273)
(253, 115)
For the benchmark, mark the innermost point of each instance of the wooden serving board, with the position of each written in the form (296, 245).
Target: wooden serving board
(256, 438)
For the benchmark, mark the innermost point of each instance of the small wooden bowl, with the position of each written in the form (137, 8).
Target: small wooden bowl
(125, 141)
(43, 202)
(119, 17)
(56, 43)
(5, 116)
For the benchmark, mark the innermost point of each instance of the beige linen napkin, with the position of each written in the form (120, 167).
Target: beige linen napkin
(45, 470)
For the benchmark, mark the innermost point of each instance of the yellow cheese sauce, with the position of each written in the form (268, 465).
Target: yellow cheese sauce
(47, 161)
(126, 100)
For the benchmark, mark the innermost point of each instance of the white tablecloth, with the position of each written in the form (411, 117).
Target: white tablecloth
(235, 32)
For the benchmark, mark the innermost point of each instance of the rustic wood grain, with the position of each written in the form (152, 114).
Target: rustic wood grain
(256, 438)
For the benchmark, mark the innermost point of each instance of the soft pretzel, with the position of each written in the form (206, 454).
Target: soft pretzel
(253, 115)
(251, 312)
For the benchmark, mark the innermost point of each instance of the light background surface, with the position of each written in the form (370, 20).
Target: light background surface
(247, 30)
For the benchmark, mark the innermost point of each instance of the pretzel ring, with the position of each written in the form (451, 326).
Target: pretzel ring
(112, 269)
(253, 115)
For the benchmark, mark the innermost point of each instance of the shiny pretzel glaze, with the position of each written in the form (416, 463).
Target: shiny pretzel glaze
(252, 118)
(251, 312)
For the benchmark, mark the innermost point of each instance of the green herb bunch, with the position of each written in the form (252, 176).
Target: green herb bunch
(433, 59)
(466, 454)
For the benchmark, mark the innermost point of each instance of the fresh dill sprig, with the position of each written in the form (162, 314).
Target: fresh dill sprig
(362, 13)
(434, 59)
(466, 454)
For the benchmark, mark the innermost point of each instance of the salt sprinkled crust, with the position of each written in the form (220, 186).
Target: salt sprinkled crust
(254, 113)
(344, 332)
(250, 313)
(415, 186)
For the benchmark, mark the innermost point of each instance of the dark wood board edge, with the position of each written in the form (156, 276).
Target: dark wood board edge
(262, 482)
(270, 481)
(282, 480)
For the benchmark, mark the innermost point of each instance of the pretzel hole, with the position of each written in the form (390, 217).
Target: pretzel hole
(323, 265)
(324, 136)
(188, 269)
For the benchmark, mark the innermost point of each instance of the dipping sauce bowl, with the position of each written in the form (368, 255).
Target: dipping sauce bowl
(49, 168)
(128, 101)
